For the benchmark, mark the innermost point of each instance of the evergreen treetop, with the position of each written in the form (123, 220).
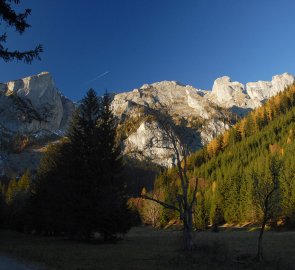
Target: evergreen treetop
(19, 22)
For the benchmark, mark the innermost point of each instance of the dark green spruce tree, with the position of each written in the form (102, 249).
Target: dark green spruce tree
(115, 216)
(66, 186)
(48, 204)
(78, 188)
(84, 161)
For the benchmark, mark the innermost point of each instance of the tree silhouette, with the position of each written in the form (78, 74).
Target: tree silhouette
(186, 195)
(18, 21)
(79, 190)
(266, 196)
(113, 213)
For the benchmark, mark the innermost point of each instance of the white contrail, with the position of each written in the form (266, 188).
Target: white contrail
(97, 77)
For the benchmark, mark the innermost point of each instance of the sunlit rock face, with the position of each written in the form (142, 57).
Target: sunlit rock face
(207, 113)
(200, 119)
(228, 93)
(33, 108)
(184, 100)
(33, 104)
(262, 90)
(148, 143)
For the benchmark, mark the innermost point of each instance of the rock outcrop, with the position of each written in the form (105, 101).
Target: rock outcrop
(206, 113)
(184, 102)
(32, 109)
(230, 94)
(262, 90)
(33, 104)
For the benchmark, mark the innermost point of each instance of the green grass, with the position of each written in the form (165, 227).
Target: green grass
(145, 248)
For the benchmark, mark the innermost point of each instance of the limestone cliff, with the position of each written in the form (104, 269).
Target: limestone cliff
(206, 113)
(33, 113)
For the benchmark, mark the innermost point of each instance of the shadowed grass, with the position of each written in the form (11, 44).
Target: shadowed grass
(145, 248)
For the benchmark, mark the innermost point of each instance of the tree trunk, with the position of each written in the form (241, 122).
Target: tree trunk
(259, 256)
(188, 230)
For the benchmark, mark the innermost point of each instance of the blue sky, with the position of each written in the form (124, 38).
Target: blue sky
(144, 41)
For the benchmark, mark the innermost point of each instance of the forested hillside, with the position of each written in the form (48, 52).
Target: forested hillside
(235, 167)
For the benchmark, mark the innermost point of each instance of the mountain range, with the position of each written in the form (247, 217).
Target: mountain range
(33, 113)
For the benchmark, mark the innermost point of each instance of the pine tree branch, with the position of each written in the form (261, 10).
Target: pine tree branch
(26, 56)
(3, 38)
(18, 20)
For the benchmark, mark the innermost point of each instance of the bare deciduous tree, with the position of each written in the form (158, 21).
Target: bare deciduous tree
(186, 198)
(266, 187)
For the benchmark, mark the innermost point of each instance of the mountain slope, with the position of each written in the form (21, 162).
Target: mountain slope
(34, 113)
(205, 114)
(227, 164)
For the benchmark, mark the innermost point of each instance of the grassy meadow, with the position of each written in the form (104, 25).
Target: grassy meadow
(145, 248)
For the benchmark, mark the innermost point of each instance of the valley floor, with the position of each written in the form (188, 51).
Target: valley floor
(145, 248)
(10, 263)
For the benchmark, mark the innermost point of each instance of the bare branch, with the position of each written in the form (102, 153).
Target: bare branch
(166, 205)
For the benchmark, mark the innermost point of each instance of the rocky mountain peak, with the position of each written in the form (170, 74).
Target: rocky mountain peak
(227, 92)
(207, 113)
(32, 112)
(34, 108)
(262, 90)
(32, 104)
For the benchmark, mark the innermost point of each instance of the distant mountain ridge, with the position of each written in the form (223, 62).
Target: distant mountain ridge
(208, 113)
(33, 113)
